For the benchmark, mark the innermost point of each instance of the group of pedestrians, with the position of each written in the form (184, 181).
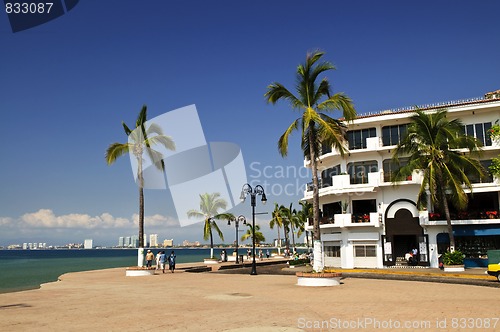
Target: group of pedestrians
(161, 258)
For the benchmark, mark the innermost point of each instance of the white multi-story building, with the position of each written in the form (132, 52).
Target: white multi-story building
(153, 240)
(368, 221)
(88, 244)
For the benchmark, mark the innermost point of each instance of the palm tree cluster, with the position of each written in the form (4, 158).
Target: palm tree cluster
(291, 221)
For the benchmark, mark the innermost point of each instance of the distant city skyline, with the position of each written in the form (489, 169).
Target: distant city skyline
(67, 85)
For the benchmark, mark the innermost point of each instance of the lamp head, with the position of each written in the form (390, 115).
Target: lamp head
(242, 196)
(264, 199)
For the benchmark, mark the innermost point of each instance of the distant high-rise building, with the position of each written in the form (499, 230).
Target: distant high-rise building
(135, 241)
(128, 242)
(168, 243)
(25, 246)
(153, 240)
(88, 244)
(121, 242)
(146, 243)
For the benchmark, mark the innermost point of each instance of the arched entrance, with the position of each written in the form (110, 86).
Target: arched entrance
(403, 234)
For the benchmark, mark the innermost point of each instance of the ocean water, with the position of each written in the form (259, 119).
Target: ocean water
(28, 269)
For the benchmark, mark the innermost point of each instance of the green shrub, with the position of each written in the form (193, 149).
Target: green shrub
(453, 258)
(298, 262)
(494, 168)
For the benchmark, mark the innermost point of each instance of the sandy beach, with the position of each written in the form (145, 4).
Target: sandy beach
(106, 300)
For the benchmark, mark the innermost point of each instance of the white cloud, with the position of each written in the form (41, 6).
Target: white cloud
(45, 218)
(156, 220)
(6, 221)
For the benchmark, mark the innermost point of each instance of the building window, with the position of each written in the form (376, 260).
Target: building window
(479, 131)
(332, 251)
(357, 138)
(326, 149)
(474, 178)
(358, 171)
(326, 175)
(392, 135)
(390, 168)
(365, 250)
(330, 209)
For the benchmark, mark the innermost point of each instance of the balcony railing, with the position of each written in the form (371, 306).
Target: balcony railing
(350, 220)
(467, 215)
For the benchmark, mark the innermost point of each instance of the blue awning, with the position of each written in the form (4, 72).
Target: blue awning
(476, 230)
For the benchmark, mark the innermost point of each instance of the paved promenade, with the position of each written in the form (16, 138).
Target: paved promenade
(106, 300)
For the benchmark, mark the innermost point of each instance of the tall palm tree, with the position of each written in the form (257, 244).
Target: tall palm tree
(303, 219)
(289, 222)
(210, 204)
(259, 237)
(432, 144)
(277, 220)
(141, 140)
(314, 99)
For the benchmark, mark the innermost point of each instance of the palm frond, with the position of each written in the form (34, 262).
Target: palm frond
(283, 140)
(277, 91)
(116, 150)
(339, 101)
(142, 118)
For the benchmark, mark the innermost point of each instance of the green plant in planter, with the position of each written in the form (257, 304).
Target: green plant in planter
(494, 168)
(453, 258)
(494, 131)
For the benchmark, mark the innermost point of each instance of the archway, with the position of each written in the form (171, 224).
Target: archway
(403, 234)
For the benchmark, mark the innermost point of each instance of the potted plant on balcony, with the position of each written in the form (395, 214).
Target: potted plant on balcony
(492, 214)
(453, 261)
(494, 133)
(344, 206)
(434, 216)
(494, 168)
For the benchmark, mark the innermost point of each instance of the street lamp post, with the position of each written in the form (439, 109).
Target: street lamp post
(237, 223)
(253, 192)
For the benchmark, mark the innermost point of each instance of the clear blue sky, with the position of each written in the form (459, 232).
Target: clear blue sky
(67, 85)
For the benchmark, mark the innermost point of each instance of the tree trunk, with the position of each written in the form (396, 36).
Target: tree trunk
(211, 242)
(318, 248)
(279, 240)
(141, 202)
(448, 220)
(287, 240)
(293, 238)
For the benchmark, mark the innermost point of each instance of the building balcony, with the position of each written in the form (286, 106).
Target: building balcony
(461, 218)
(340, 184)
(371, 219)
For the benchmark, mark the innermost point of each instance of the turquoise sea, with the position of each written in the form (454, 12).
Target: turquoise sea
(28, 269)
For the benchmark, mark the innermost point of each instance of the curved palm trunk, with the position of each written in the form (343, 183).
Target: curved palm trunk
(448, 220)
(318, 247)
(293, 239)
(279, 240)
(211, 243)
(140, 252)
(287, 239)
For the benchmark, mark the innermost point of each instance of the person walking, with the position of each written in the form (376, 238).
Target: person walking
(158, 260)
(162, 261)
(171, 261)
(149, 258)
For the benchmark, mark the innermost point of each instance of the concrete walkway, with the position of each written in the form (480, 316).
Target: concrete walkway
(106, 300)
